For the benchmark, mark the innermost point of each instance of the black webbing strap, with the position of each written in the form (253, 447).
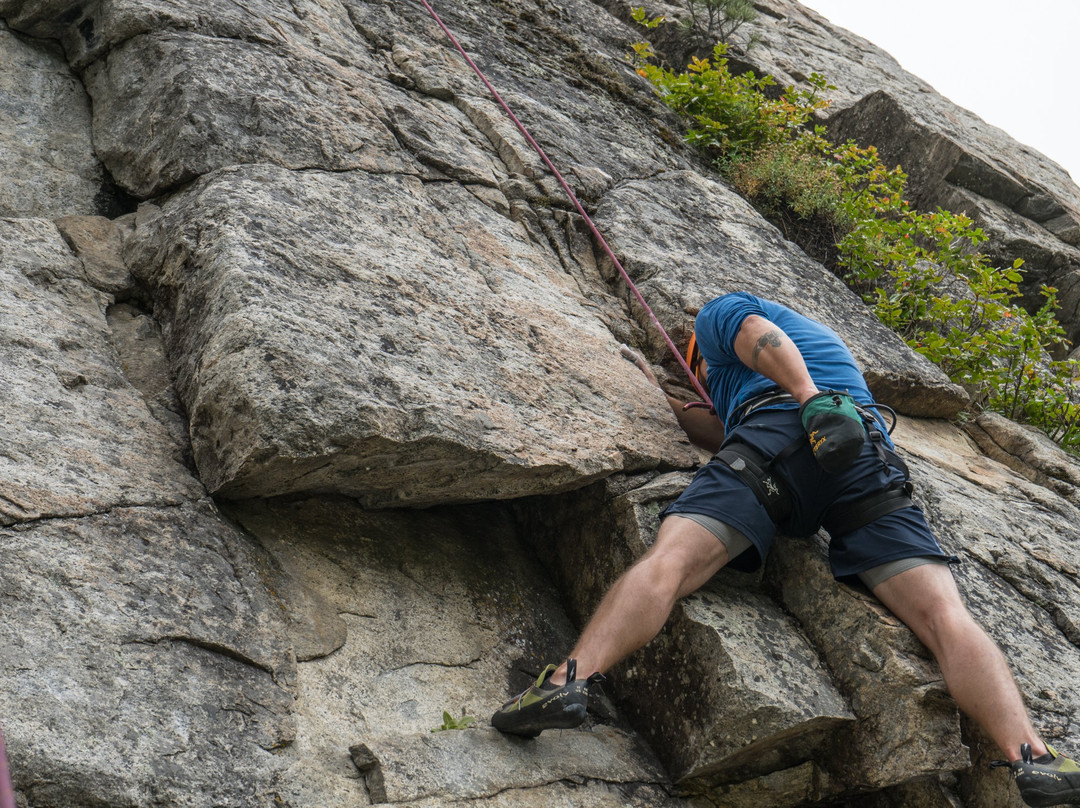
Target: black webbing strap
(752, 469)
(844, 519)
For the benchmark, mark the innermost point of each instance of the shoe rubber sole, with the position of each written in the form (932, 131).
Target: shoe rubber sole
(1038, 797)
(1042, 799)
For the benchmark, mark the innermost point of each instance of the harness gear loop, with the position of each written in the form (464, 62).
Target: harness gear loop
(576, 203)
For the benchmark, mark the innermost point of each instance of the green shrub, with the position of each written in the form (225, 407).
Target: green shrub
(709, 20)
(731, 115)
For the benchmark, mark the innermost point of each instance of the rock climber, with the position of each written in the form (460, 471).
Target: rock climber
(793, 413)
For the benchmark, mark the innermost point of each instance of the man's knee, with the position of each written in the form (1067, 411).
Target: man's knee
(686, 550)
(944, 617)
(927, 600)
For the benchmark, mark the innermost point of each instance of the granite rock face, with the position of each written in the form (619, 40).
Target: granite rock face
(316, 426)
(46, 148)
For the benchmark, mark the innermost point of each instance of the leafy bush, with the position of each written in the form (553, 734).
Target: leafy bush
(920, 271)
(732, 115)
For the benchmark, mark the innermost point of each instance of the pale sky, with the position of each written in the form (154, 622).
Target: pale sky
(1014, 64)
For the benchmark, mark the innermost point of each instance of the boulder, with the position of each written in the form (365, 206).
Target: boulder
(310, 355)
(202, 103)
(1022, 217)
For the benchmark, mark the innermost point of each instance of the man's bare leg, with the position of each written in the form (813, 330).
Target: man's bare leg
(684, 556)
(975, 670)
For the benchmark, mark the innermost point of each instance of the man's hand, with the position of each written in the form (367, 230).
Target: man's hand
(835, 429)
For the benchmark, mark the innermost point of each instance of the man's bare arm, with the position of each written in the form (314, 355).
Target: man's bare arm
(763, 347)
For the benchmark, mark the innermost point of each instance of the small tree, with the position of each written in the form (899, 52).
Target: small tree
(718, 20)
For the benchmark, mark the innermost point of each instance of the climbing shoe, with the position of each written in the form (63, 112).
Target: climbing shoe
(545, 705)
(1051, 779)
(835, 429)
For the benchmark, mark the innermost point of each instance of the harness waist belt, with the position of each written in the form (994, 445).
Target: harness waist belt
(763, 400)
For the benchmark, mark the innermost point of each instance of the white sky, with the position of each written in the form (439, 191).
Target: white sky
(1014, 64)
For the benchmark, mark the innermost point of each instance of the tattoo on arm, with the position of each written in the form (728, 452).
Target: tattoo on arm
(770, 339)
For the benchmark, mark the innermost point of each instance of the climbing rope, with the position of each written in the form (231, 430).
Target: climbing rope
(576, 203)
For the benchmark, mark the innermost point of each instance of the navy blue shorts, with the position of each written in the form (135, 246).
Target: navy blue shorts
(717, 491)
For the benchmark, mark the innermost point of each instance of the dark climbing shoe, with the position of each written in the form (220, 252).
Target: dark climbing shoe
(1051, 779)
(546, 706)
(835, 429)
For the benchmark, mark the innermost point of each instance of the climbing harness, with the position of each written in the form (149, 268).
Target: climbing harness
(772, 492)
(698, 386)
(752, 468)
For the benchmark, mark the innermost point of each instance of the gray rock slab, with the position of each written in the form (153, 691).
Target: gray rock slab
(571, 87)
(1022, 218)
(473, 764)
(46, 151)
(1029, 452)
(935, 152)
(1047, 260)
(444, 610)
(685, 238)
(89, 31)
(730, 689)
(384, 339)
(77, 437)
(144, 661)
(98, 243)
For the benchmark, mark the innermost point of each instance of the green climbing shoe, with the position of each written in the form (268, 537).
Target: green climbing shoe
(1051, 779)
(545, 706)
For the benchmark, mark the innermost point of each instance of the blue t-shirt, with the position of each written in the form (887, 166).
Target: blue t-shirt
(731, 383)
